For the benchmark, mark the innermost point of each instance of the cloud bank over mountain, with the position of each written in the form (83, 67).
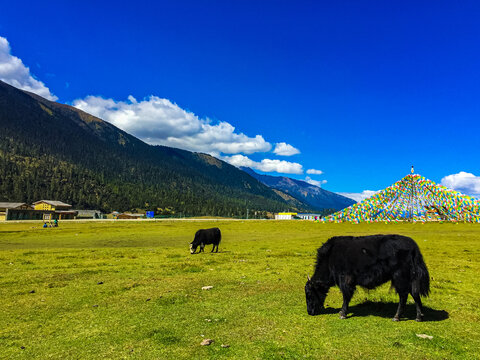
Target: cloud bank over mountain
(266, 165)
(158, 121)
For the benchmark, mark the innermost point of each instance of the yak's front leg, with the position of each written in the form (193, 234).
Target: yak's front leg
(202, 246)
(347, 292)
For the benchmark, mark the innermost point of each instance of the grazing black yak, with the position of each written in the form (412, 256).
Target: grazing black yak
(368, 261)
(205, 237)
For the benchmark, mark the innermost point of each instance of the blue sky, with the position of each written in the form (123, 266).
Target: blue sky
(345, 94)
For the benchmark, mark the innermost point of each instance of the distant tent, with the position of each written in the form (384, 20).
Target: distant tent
(413, 198)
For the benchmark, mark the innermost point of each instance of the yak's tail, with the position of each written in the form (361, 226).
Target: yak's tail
(420, 275)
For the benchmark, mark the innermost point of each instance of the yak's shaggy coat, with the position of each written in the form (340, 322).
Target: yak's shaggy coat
(368, 261)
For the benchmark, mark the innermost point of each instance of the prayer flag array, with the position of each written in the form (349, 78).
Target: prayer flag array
(413, 198)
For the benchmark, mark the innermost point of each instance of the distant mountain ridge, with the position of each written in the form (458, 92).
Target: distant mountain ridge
(55, 151)
(314, 196)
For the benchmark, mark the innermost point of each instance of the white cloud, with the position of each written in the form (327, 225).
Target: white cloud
(285, 149)
(365, 194)
(266, 165)
(318, 183)
(15, 73)
(159, 121)
(314, 172)
(464, 182)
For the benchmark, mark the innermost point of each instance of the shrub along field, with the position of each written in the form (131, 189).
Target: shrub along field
(122, 290)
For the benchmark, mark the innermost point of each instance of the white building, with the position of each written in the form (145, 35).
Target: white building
(285, 216)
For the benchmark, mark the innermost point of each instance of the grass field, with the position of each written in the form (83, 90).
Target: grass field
(131, 290)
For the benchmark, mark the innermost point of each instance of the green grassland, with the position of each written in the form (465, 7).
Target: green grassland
(131, 290)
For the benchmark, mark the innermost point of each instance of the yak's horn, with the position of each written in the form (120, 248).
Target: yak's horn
(308, 277)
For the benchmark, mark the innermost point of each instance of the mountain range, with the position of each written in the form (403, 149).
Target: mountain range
(316, 197)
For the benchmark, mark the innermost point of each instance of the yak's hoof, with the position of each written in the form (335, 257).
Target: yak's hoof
(419, 319)
(396, 318)
(342, 316)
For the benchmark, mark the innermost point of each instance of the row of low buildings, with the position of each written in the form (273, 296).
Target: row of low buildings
(41, 210)
(48, 210)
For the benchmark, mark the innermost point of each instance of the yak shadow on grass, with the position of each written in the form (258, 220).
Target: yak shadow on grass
(388, 310)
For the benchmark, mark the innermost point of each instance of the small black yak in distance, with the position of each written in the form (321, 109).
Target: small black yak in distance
(368, 261)
(205, 237)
